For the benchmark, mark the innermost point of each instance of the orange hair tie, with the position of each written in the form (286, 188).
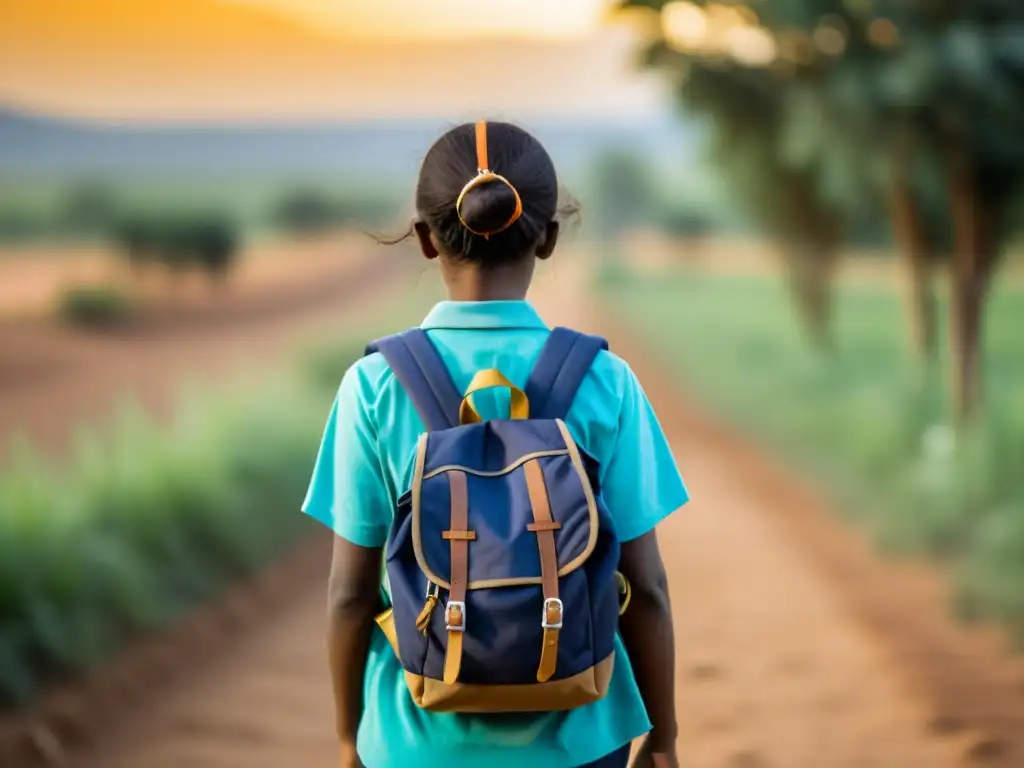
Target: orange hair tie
(485, 176)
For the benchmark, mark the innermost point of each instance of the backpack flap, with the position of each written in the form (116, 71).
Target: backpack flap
(505, 552)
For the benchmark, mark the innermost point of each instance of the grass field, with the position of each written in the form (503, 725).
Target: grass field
(866, 425)
(150, 517)
(44, 209)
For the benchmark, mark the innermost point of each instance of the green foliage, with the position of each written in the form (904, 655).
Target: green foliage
(147, 523)
(686, 221)
(55, 209)
(88, 209)
(208, 240)
(95, 306)
(624, 191)
(21, 223)
(832, 113)
(306, 211)
(312, 210)
(325, 365)
(848, 86)
(861, 422)
(81, 210)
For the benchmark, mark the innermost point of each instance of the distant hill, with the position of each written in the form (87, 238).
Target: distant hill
(39, 146)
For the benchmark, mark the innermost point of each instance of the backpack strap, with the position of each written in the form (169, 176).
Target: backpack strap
(423, 375)
(559, 371)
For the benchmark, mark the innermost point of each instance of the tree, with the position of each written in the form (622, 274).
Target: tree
(209, 240)
(746, 105)
(305, 211)
(869, 98)
(933, 90)
(623, 191)
(215, 240)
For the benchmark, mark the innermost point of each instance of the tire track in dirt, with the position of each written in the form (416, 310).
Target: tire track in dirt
(776, 667)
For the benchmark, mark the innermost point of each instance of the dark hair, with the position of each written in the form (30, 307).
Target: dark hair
(452, 162)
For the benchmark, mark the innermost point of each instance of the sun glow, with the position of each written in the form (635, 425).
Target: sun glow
(449, 19)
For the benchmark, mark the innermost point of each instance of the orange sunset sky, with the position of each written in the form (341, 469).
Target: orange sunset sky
(299, 60)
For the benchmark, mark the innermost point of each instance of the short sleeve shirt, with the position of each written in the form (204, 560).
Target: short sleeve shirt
(365, 464)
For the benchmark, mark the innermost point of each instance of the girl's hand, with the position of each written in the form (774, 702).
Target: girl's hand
(664, 758)
(656, 760)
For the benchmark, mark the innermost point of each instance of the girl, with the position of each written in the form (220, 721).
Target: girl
(486, 232)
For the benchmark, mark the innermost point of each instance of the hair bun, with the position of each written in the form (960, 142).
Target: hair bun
(489, 207)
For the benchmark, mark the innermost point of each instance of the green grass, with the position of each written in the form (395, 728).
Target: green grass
(146, 523)
(148, 520)
(94, 306)
(33, 210)
(866, 424)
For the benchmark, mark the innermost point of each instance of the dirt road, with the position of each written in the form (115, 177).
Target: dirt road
(780, 664)
(54, 380)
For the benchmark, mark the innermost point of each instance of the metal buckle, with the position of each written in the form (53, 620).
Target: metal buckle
(433, 590)
(461, 608)
(552, 602)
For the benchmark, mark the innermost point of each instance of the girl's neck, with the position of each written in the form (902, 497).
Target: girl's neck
(467, 282)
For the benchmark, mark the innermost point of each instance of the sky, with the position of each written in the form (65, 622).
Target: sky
(307, 60)
(450, 19)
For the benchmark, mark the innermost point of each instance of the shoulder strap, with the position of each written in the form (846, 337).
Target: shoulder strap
(559, 371)
(423, 375)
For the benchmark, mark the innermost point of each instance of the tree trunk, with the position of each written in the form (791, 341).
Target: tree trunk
(811, 271)
(975, 247)
(912, 238)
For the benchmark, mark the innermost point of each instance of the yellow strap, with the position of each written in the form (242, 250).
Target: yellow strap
(487, 379)
(625, 592)
(548, 655)
(453, 658)
(386, 622)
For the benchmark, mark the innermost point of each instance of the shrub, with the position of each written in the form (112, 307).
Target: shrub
(208, 240)
(215, 241)
(95, 306)
(144, 525)
(305, 211)
(686, 222)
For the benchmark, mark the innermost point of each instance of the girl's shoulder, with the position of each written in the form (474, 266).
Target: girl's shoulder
(610, 377)
(371, 372)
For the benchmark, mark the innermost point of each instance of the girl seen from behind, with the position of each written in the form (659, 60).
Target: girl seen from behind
(510, 477)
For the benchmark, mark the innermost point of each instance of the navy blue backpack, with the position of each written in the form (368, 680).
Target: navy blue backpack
(501, 560)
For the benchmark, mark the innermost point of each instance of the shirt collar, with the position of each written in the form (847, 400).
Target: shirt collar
(483, 315)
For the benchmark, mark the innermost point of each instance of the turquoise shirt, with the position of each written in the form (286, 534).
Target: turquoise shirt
(365, 465)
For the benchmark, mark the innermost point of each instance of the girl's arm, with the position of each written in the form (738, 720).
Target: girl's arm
(354, 599)
(647, 632)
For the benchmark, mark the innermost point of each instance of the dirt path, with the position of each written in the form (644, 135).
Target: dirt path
(779, 667)
(263, 703)
(53, 379)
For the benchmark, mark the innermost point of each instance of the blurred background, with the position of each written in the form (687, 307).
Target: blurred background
(807, 211)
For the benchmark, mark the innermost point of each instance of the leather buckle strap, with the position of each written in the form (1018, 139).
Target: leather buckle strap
(544, 527)
(553, 611)
(455, 611)
(455, 616)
